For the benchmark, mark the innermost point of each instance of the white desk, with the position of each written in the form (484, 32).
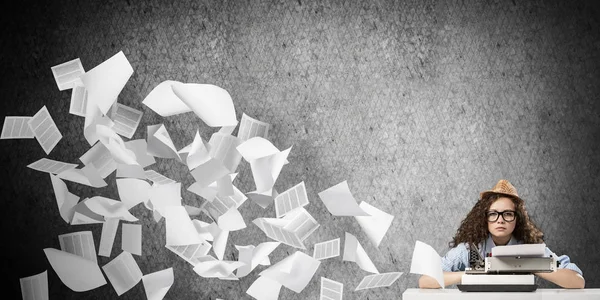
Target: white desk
(539, 294)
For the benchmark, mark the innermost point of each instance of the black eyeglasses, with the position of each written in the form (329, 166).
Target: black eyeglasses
(507, 215)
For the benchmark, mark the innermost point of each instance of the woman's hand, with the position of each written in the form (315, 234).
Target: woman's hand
(564, 278)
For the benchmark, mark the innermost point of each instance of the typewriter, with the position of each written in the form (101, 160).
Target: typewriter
(506, 269)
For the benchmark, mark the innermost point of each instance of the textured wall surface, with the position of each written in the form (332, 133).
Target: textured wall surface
(419, 105)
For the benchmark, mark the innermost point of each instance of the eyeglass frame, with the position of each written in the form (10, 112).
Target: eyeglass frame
(500, 213)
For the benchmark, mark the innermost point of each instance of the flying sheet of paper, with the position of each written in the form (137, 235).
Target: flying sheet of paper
(220, 237)
(126, 119)
(115, 145)
(331, 290)
(209, 172)
(16, 128)
(83, 215)
(79, 243)
(218, 206)
(180, 229)
(265, 170)
(44, 129)
(35, 287)
(225, 186)
(204, 229)
(67, 74)
(158, 178)
(339, 201)
(157, 284)
(354, 252)
(290, 199)
(94, 117)
(160, 143)
(264, 288)
(216, 268)
(301, 223)
(191, 253)
(123, 272)
(327, 249)
(252, 256)
(131, 238)
(376, 225)
(273, 228)
(105, 81)
(107, 237)
(139, 148)
(426, 261)
(164, 102)
(223, 147)
(263, 199)
(211, 103)
(378, 280)
(165, 195)
(250, 127)
(78, 103)
(198, 153)
(110, 208)
(255, 148)
(77, 273)
(294, 271)
(87, 175)
(231, 220)
(130, 171)
(100, 158)
(133, 191)
(50, 166)
(65, 200)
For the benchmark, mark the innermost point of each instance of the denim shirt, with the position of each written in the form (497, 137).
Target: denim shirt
(457, 258)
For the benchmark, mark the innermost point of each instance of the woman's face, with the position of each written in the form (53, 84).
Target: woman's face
(501, 217)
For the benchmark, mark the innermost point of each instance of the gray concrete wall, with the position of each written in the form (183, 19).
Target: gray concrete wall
(419, 105)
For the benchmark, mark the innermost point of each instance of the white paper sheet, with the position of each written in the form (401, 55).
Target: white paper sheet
(331, 290)
(130, 171)
(354, 252)
(198, 154)
(426, 261)
(223, 147)
(78, 103)
(115, 145)
(107, 237)
(263, 199)
(123, 272)
(126, 119)
(255, 148)
(522, 250)
(339, 201)
(378, 280)
(231, 220)
(131, 238)
(301, 223)
(157, 284)
(44, 129)
(204, 229)
(158, 178)
(216, 268)
(191, 253)
(160, 143)
(290, 199)
(250, 127)
(180, 229)
(165, 195)
(35, 287)
(264, 288)
(209, 172)
(67, 74)
(50, 166)
(80, 243)
(105, 81)
(100, 158)
(16, 128)
(133, 191)
(110, 208)
(83, 215)
(252, 256)
(87, 175)
(220, 237)
(209, 102)
(220, 205)
(65, 200)
(294, 271)
(77, 273)
(139, 148)
(265, 170)
(376, 225)
(327, 249)
(273, 228)
(164, 102)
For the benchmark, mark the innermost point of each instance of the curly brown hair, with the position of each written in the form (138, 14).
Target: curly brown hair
(473, 228)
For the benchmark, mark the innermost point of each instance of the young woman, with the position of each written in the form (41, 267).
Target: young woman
(499, 218)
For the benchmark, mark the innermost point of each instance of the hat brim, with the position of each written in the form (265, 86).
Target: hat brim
(486, 193)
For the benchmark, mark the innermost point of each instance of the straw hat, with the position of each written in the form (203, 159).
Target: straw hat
(503, 187)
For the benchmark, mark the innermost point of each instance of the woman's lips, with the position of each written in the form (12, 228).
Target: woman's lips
(500, 228)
